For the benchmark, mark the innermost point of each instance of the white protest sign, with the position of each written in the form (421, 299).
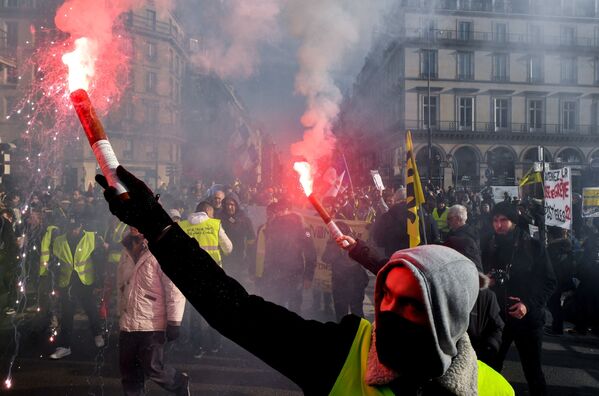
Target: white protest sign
(377, 179)
(500, 191)
(558, 197)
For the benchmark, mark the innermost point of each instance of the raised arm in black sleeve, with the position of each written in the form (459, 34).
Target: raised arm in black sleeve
(310, 353)
(368, 257)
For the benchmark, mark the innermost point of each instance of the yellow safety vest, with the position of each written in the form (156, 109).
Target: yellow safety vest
(441, 220)
(116, 250)
(350, 381)
(80, 263)
(206, 233)
(45, 248)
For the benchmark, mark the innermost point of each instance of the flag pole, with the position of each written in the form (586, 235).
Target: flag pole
(351, 184)
(424, 216)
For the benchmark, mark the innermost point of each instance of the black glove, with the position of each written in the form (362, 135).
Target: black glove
(172, 332)
(141, 210)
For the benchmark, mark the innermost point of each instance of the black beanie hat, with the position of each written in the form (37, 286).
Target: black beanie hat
(506, 209)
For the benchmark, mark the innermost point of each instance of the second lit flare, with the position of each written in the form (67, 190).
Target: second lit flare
(81, 64)
(305, 172)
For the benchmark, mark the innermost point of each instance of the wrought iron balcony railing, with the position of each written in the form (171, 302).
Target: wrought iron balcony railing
(445, 35)
(490, 127)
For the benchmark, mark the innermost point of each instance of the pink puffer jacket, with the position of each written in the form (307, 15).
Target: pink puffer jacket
(147, 299)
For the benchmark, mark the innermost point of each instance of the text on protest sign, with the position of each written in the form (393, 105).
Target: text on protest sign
(558, 197)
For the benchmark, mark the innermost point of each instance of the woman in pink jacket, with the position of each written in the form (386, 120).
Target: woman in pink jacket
(150, 311)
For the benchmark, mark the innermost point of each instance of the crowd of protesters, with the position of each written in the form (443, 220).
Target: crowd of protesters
(506, 239)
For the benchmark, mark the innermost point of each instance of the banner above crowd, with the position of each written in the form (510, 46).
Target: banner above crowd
(590, 202)
(558, 197)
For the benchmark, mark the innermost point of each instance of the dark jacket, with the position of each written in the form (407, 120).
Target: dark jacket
(465, 231)
(531, 275)
(290, 250)
(240, 230)
(562, 258)
(390, 230)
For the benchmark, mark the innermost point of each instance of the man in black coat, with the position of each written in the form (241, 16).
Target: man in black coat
(523, 279)
(289, 259)
(390, 230)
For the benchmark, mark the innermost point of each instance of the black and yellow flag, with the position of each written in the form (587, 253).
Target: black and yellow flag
(531, 177)
(414, 193)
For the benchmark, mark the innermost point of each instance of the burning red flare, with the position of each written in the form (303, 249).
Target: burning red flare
(81, 63)
(306, 180)
(305, 172)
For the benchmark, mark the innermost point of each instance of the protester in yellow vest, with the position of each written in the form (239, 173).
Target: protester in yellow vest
(75, 255)
(204, 228)
(201, 226)
(113, 237)
(440, 216)
(417, 345)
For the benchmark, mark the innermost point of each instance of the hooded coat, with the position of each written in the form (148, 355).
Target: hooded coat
(310, 353)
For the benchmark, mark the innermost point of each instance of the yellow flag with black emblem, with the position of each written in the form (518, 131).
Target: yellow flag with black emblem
(414, 193)
(531, 177)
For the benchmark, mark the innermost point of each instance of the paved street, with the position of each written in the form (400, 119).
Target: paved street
(571, 367)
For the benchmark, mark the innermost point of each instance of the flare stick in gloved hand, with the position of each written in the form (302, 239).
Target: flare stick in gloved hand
(142, 210)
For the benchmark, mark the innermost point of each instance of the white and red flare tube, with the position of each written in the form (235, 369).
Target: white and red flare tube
(97, 140)
(326, 217)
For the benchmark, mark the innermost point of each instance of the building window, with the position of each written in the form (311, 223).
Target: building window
(434, 111)
(501, 113)
(499, 6)
(428, 64)
(151, 19)
(596, 71)
(500, 67)
(568, 115)
(535, 69)
(129, 110)
(500, 32)
(128, 149)
(484, 5)
(568, 70)
(449, 4)
(568, 35)
(568, 8)
(520, 6)
(465, 31)
(150, 82)
(465, 65)
(465, 113)
(12, 3)
(535, 34)
(151, 109)
(9, 105)
(535, 114)
(585, 8)
(151, 51)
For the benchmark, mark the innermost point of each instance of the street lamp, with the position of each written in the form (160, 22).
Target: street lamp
(454, 165)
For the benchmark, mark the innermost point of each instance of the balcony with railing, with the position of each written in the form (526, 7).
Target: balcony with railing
(456, 37)
(485, 128)
(8, 53)
(143, 24)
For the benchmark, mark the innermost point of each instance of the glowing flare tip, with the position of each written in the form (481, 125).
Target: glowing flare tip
(81, 63)
(8, 383)
(305, 172)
